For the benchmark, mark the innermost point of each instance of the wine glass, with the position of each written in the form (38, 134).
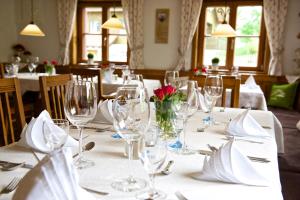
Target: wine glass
(134, 79)
(153, 157)
(34, 63)
(213, 88)
(171, 77)
(80, 107)
(55, 133)
(131, 113)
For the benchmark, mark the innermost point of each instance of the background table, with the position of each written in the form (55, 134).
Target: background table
(111, 163)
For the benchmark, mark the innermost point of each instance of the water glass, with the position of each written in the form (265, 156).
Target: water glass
(171, 77)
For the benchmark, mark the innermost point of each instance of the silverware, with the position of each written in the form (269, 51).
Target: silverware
(11, 186)
(166, 170)
(94, 128)
(7, 165)
(95, 191)
(86, 147)
(227, 137)
(180, 196)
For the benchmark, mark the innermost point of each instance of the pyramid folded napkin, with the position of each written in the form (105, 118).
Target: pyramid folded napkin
(54, 178)
(33, 135)
(229, 164)
(250, 83)
(245, 125)
(104, 113)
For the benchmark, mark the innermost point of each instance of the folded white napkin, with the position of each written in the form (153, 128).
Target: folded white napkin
(33, 136)
(202, 102)
(54, 178)
(245, 125)
(104, 113)
(250, 83)
(229, 164)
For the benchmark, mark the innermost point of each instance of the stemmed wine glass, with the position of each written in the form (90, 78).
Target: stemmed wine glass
(153, 157)
(213, 88)
(134, 79)
(131, 113)
(80, 107)
(171, 77)
(33, 64)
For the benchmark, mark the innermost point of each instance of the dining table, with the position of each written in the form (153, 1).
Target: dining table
(111, 163)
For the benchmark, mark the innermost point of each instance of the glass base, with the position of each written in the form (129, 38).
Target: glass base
(185, 151)
(151, 194)
(81, 163)
(129, 184)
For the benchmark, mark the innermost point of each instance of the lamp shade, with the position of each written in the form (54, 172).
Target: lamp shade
(224, 30)
(32, 30)
(113, 23)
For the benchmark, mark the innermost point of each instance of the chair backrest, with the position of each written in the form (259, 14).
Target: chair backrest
(90, 74)
(229, 82)
(1, 70)
(53, 94)
(11, 110)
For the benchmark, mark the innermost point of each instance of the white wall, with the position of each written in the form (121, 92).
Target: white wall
(292, 29)
(8, 34)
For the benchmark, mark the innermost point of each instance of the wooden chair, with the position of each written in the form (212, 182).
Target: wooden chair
(94, 75)
(229, 82)
(11, 111)
(2, 71)
(53, 92)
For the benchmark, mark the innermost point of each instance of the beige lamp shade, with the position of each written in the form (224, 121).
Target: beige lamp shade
(32, 30)
(113, 23)
(224, 30)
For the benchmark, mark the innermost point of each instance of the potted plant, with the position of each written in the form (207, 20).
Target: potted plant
(215, 63)
(90, 58)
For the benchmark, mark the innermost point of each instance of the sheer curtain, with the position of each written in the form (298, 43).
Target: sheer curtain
(275, 12)
(190, 11)
(133, 11)
(66, 18)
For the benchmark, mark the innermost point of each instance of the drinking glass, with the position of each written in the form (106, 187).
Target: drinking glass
(56, 139)
(134, 79)
(153, 157)
(131, 113)
(213, 88)
(34, 61)
(170, 77)
(80, 107)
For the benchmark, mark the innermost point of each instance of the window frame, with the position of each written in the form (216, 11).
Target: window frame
(106, 5)
(198, 40)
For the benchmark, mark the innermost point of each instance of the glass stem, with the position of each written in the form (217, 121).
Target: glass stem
(130, 154)
(152, 182)
(184, 134)
(80, 143)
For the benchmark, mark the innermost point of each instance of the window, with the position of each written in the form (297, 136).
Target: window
(247, 49)
(106, 45)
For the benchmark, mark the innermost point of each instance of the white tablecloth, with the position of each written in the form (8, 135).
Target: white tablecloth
(111, 87)
(111, 164)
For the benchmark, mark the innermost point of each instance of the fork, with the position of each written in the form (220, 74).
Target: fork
(11, 186)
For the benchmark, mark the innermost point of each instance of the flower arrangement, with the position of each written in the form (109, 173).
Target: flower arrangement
(50, 66)
(198, 71)
(165, 98)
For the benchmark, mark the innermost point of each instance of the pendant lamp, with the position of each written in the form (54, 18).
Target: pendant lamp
(223, 29)
(113, 22)
(32, 29)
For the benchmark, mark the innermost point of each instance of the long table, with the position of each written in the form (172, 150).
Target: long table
(111, 163)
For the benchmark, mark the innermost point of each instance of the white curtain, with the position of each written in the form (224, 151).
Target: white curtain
(190, 12)
(66, 19)
(275, 16)
(133, 11)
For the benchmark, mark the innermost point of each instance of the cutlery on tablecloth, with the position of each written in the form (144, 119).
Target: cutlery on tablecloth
(167, 169)
(11, 186)
(95, 191)
(180, 196)
(227, 137)
(14, 165)
(87, 147)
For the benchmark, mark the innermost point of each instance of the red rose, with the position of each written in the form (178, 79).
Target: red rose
(168, 90)
(45, 62)
(195, 69)
(159, 93)
(53, 62)
(203, 70)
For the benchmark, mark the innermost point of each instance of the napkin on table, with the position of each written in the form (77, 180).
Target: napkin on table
(54, 178)
(229, 164)
(245, 125)
(32, 134)
(104, 113)
(250, 83)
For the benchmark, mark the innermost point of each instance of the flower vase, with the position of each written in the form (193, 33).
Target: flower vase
(164, 118)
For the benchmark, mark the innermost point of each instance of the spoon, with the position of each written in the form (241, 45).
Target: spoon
(11, 166)
(86, 147)
(167, 170)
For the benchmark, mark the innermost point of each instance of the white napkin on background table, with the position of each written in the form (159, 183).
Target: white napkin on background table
(229, 164)
(54, 178)
(245, 125)
(250, 83)
(104, 112)
(32, 134)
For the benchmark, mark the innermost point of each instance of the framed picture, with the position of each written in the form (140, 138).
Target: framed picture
(162, 25)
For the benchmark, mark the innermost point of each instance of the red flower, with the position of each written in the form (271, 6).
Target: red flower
(195, 69)
(45, 62)
(159, 93)
(53, 62)
(168, 90)
(203, 70)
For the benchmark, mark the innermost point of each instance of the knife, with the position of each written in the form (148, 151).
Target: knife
(27, 166)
